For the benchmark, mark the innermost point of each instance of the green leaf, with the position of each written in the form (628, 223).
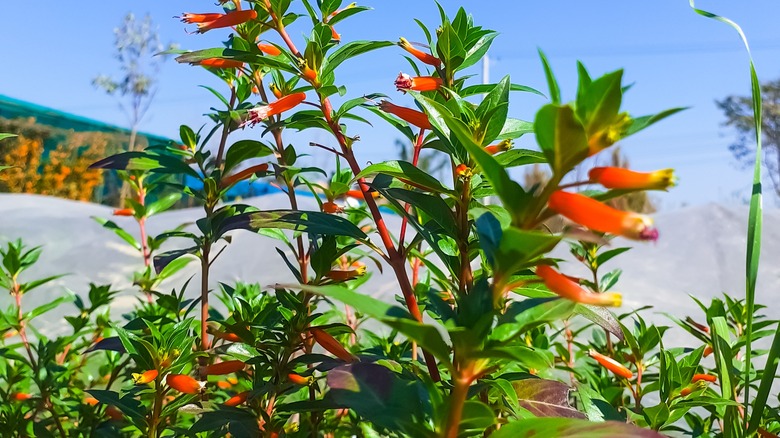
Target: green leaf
(312, 222)
(512, 195)
(475, 53)
(431, 205)
(3, 136)
(378, 395)
(561, 137)
(396, 317)
(546, 398)
(599, 104)
(127, 404)
(514, 129)
(243, 150)
(571, 428)
(119, 231)
(174, 267)
(521, 316)
(188, 137)
(767, 380)
(40, 310)
(476, 416)
(520, 157)
(552, 83)
(349, 50)
(486, 88)
(407, 172)
(518, 248)
(602, 317)
(642, 122)
(492, 111)
(237, 55)
(162, 204)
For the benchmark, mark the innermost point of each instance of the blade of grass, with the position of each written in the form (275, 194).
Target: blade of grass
(754, 234)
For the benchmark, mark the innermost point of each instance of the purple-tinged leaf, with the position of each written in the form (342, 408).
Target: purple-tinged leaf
(571, 428)
(546, 398)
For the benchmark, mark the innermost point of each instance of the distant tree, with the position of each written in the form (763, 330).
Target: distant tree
(739, 115)
(136, 43)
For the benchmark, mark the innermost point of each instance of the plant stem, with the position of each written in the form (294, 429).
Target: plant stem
(225, 130)
(158, 398)
(462, 213)
(458, 396)
(204, 297)
(145, 253)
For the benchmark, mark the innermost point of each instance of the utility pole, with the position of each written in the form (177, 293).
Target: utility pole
(486, 69)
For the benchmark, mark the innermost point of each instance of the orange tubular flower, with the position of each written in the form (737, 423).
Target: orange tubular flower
(404, 83)
(244, 174)
(269, 49)
(611, 364)
(331, 208)
(230, 337)
(502, 146)
(184, 383)
(339, 275)
(330, 344)
(704, 377)
(414, 117)
(707, 351)
(123, 212)
(699, 326)
(227, 20)
(358, 194)
(262, 112)
(569, 289)
(145, 377)
(219, 63)
(298, 379)
(620, 178)
(310, 75)
(237, 399)
(592, 214)
(275, 90)
(226, 367)
(199, 18)
(423, 57)
(92, 401)
(20, 396)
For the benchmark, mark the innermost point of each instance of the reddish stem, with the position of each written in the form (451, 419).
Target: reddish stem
(415, 160)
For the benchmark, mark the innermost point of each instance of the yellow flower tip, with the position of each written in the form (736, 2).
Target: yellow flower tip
(610, 299)
(145, 377)
(609, 135)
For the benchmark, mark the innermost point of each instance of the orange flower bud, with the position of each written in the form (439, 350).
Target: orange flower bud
(230, 337)
(695, 386)
(310, 75)
(611, 364)
(20, 396)
(228, 383)
(699, 326)
(339, 275)
(330, 344)
(463, 171)
(269, 49)
(419, 54)
(145, 377)
(331, 208)
(298, 379)
(687, 391)
(218, 63)
(262, 112)
(620, 178)
(92, 401)
(335, 35)
(226, 367)
(503, 145)
(244, 174)
(414, 117)
(358, 194)
(199, 18)
(404, 83)
(230, 19)
(593, 214)
(123, 212)
(707, 351)
(566, 288)
(704, 377)
(113, 413)
(184, 383)
(237, 399)
(275, 90)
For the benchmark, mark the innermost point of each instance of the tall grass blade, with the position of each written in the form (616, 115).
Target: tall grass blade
(753, 242)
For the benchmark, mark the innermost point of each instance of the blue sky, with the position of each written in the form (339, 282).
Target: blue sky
(674, 57)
